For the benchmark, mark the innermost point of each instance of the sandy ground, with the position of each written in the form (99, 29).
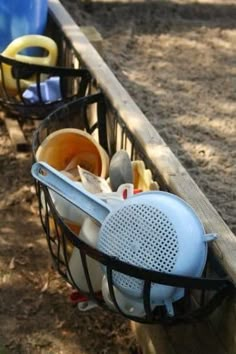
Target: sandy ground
(177, 60)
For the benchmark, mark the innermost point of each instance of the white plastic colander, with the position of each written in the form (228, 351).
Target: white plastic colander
(160, 233)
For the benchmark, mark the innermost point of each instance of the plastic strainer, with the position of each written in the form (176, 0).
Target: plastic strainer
(152, 230)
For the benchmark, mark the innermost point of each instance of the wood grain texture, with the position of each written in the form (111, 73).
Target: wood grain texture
(94, 37)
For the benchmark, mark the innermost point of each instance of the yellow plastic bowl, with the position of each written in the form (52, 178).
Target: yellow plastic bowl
(65, 145)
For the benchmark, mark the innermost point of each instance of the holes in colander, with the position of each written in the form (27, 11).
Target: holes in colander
(140, 235)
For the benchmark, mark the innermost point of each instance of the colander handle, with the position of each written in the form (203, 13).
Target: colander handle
(71, 191)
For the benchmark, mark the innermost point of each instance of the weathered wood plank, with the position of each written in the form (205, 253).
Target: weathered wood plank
(194, 338)
(153, 339)
(223, 321)
(94, 37)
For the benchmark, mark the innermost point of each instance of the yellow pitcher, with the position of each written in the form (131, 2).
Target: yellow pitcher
(21, 43)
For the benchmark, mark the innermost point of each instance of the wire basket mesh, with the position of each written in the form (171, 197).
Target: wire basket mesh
(72, 83)
(62, 235)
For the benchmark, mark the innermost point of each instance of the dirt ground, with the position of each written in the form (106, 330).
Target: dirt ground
(177, 59)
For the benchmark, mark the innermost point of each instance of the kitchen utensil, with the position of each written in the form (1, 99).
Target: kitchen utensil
(49, 89)
(67, 211)
(120, 169)
(16, 46)
(152, 230)
(88, 233)
(92, 183)
(64, 145)
(142, 177)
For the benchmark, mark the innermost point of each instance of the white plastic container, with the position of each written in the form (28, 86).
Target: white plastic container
(88, 234)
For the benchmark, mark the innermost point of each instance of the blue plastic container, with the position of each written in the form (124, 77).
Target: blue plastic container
(21, 17)
(49, 89)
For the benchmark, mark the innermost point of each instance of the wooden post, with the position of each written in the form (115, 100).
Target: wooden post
(94, 37)
(16, 135)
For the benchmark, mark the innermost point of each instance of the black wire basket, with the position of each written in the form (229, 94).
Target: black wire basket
(202, 295)
(73, 83)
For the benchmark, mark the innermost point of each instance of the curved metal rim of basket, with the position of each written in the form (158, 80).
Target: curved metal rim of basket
(31, 111)
(46, 69)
